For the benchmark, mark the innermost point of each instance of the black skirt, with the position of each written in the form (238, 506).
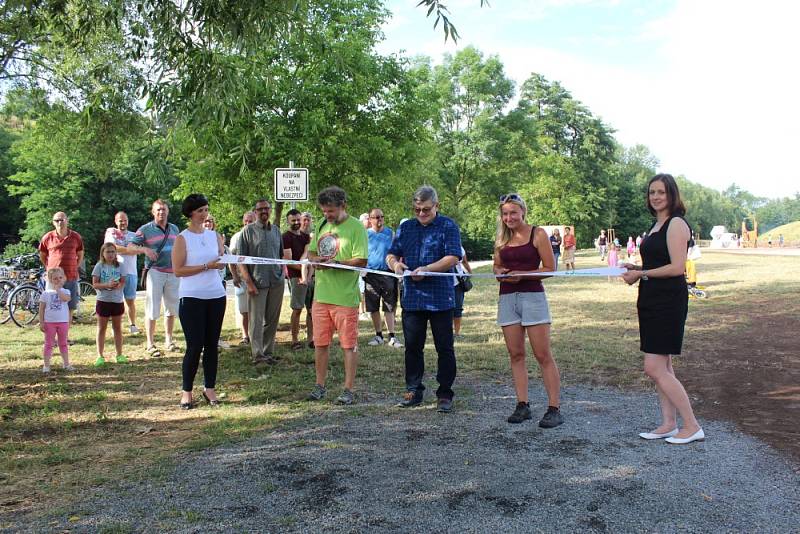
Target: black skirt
(662, 306)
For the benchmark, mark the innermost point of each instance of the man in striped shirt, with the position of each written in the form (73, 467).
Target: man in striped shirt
(159, 236)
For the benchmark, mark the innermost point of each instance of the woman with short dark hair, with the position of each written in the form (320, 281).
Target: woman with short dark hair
(662, 306)
(195, 258)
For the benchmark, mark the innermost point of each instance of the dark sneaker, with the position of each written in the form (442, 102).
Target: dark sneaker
(551, 419)
(444, 405)
(410, 399)
(318, 393)
(521, 413)
(345, 398)
(265, 360)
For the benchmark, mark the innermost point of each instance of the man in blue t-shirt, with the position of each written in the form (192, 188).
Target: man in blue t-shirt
(428, 243)
(380, 287)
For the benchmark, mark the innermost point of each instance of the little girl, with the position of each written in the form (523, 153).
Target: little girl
(54, 318)
(613, 256)
(108, 281)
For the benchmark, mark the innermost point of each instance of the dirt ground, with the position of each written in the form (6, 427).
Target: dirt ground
(753, 377)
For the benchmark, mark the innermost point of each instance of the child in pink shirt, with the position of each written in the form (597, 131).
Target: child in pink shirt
(54, 317)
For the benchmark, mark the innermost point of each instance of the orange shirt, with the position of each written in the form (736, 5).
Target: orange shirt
(62, 252)
(569, 241)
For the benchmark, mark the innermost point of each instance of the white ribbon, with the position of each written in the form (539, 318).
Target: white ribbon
(253, 260)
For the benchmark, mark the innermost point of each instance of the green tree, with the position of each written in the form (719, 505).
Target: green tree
(571, 180)
(471, 92)
(323, 99)
(57, 170)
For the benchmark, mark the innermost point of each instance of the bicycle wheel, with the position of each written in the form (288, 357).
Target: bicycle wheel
(6, 288)
(85, 289)
(23, 305)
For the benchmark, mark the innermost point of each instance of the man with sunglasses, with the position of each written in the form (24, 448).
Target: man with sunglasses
(428, 243)
(264, 283)
(63, 248)
(380, 287)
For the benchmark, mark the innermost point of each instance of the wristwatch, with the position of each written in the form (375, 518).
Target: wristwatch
(644, 276)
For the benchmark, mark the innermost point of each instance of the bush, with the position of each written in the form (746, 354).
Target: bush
(17, 249)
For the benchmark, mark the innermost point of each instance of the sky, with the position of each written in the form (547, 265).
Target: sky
(710, 87)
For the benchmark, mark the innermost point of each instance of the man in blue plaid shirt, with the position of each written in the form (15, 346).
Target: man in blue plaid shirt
(429, 242)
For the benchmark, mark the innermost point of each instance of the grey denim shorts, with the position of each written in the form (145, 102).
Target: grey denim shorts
(526, 309)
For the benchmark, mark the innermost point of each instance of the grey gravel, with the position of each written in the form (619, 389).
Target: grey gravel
(373, 467)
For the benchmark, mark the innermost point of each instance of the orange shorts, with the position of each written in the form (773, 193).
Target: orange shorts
(330, 318)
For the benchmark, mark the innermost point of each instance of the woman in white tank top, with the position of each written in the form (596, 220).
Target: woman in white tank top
(195, 258)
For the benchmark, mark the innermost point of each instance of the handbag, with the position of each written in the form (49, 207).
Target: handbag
(465, 283)
(146, 267)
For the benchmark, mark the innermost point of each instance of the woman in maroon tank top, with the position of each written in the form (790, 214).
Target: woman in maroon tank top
(522, 248)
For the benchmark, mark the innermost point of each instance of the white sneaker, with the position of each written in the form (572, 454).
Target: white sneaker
(45, 369)
(223, 344)
(375, 341)
(364, 317)
(133, 330)
(394, 342)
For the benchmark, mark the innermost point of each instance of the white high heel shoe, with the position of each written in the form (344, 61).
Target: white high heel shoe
(697, 436)
(651, 435)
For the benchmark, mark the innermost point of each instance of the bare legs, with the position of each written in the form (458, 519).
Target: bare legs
(539, 336)
(131, 304)
(671, 395)
(150, 329)
(321, 356)
(116, 326)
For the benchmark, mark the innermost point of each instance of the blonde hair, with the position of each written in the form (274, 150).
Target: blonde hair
(504, 233)
(103, 248)
(54, 271)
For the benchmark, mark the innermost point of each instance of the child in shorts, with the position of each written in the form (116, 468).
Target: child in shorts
(108, 281)
(54, 318)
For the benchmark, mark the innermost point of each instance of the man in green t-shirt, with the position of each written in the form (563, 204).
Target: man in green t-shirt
(339, 239)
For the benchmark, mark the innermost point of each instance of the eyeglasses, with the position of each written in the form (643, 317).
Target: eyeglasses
(59, 220)
(424, 211)
(377, 217)
(510, 196)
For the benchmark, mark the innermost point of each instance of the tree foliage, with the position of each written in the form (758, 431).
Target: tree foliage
(108, 105)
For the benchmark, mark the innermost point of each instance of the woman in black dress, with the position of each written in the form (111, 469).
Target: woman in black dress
(662, 307)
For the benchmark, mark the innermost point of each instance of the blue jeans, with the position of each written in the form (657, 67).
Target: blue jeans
(556, 255)
(415, 330)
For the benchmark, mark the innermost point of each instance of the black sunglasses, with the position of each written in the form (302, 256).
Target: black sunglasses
(510, 196)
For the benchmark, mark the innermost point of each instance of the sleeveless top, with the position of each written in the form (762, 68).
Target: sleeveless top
(200, 249)
(655, 253)
(521, 258)
(555, 242)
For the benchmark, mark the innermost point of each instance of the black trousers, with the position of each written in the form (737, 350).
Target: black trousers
(201, 320)
(415, 330)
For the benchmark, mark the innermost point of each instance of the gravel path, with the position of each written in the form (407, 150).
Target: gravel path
(377, 468)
